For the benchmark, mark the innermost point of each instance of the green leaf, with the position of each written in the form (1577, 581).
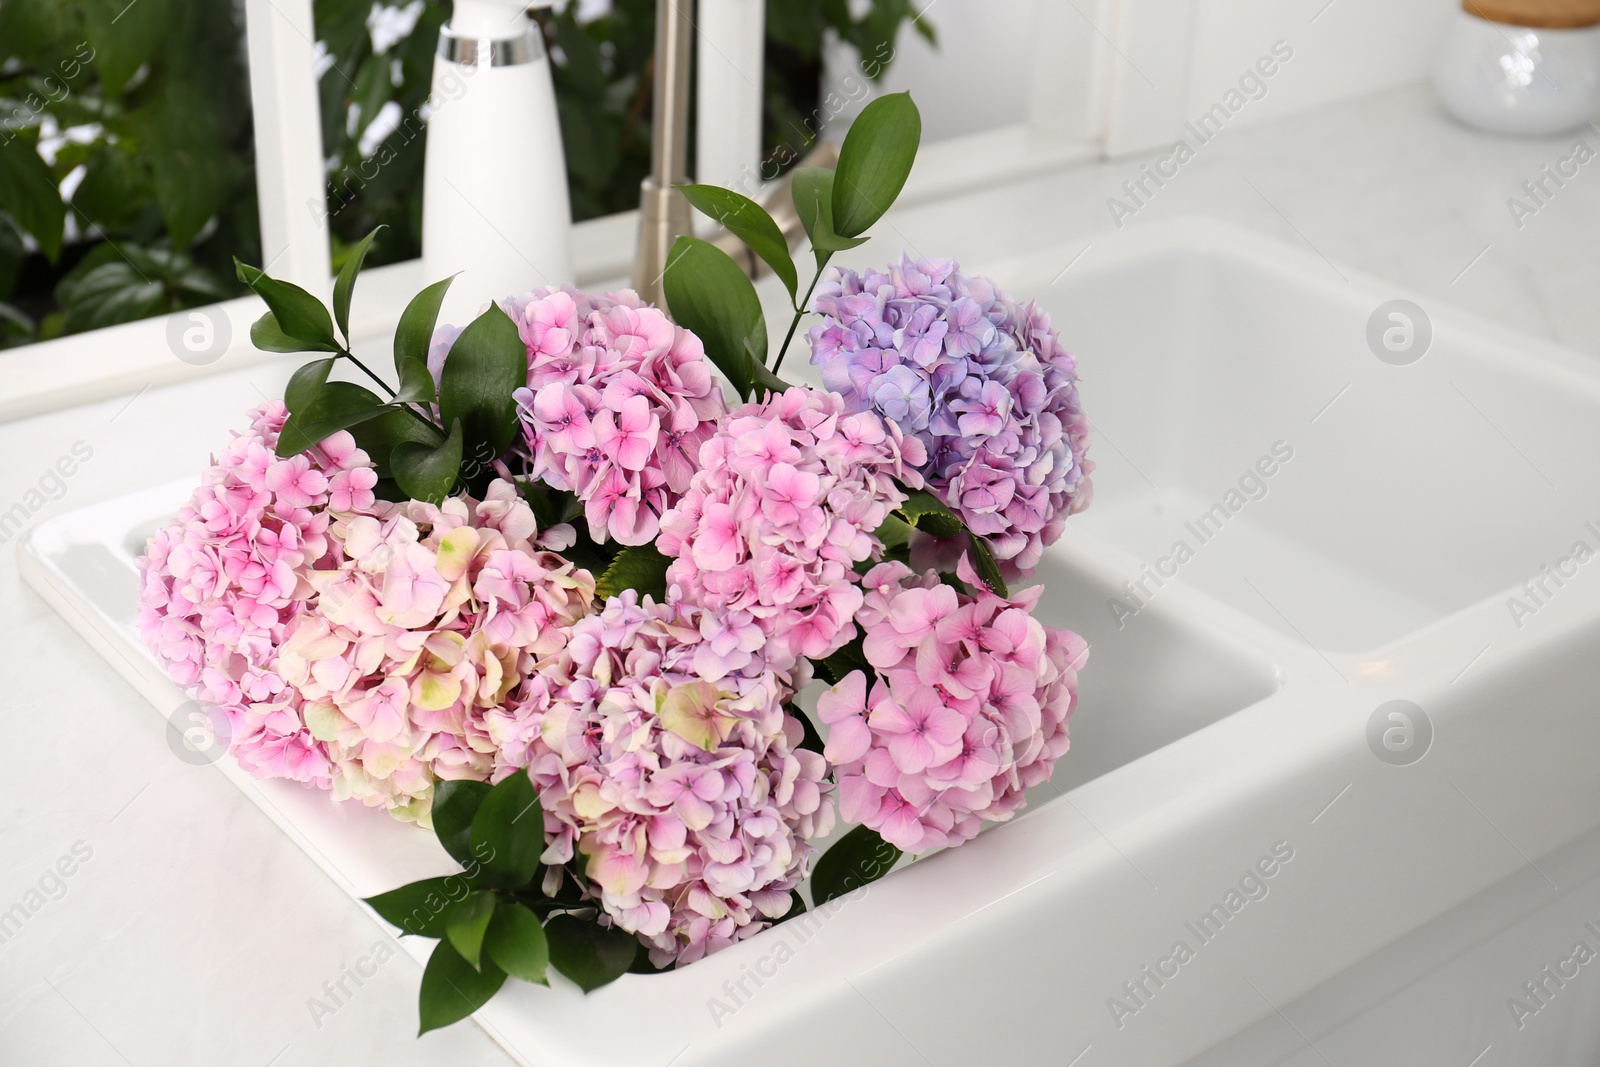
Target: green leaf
(764, 381)
(874, 161)
(508, 833)
(748, 221)
(467, 924)
(335, 406)
(455, 802)
(414, 335)
(813, 202)
(983, 562)
(713, 299)
(345, 284)
(587, 953)
(487, 364)
(300, 315)
(11, 254)
(306, 383)
(810, 740)
(797, 907)
(859, 857)
(109, 294)
(640, 567)
(428, 472)
(29, 195)
(416, 385)
(894, 532)
(421, 908)
(114, 189)
(929, 514)
(516, 943)
(190, 181)
(373, 89)
(125, 37)
(452, 989)
(267, 335)
(549, 506)
(381, 435)
(852, 657)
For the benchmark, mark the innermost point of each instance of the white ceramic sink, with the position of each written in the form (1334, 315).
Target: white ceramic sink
(1223, 727)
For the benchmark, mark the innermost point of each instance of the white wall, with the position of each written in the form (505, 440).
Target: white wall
(975, 79)
(1354, 47)
(1194, 51)
(1161, 62)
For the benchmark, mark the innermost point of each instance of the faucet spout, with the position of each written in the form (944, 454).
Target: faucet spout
(664, 214)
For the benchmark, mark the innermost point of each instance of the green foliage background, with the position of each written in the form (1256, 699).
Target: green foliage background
(143, 111)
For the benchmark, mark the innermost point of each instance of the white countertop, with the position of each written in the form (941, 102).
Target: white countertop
(195, 932)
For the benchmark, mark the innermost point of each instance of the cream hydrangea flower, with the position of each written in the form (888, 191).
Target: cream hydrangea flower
(432, 617)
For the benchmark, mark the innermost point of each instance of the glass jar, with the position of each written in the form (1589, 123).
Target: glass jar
(1528, 67)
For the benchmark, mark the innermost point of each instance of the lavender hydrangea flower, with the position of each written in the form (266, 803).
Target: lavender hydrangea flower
(980, 380)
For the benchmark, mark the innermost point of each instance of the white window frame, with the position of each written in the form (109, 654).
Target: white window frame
(1066, 125)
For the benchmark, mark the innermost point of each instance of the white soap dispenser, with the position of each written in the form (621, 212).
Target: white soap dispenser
(494, 205)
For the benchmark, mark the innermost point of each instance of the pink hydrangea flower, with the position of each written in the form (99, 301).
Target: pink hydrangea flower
(425, 619)
(617, 405)
(788, 497)
(349, 643)
(224, 582)
(970, 708)
(677, 785)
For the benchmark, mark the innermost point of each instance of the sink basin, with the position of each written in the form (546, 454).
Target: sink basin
(1356, 531)
(1413, 491)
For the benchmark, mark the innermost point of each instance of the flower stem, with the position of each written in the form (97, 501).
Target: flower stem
(381, 383)
(798, 312)
(407, 408)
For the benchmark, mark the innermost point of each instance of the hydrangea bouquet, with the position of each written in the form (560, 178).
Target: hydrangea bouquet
(558, 594)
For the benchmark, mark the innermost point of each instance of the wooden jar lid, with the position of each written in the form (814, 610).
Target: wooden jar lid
(1539, 14)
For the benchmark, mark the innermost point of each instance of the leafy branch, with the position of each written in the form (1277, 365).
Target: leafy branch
(425, 456)
(486, 918)
(710, 295)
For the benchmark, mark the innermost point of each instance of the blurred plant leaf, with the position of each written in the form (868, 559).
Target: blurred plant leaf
(29, 195)
(108, 294)
(125, 37)
(115, 188)
(189, 175)
(11, 254)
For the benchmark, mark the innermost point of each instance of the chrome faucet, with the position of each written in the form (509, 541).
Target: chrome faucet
(664, 214)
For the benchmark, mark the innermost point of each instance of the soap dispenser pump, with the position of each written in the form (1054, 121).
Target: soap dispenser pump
(495, 208)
